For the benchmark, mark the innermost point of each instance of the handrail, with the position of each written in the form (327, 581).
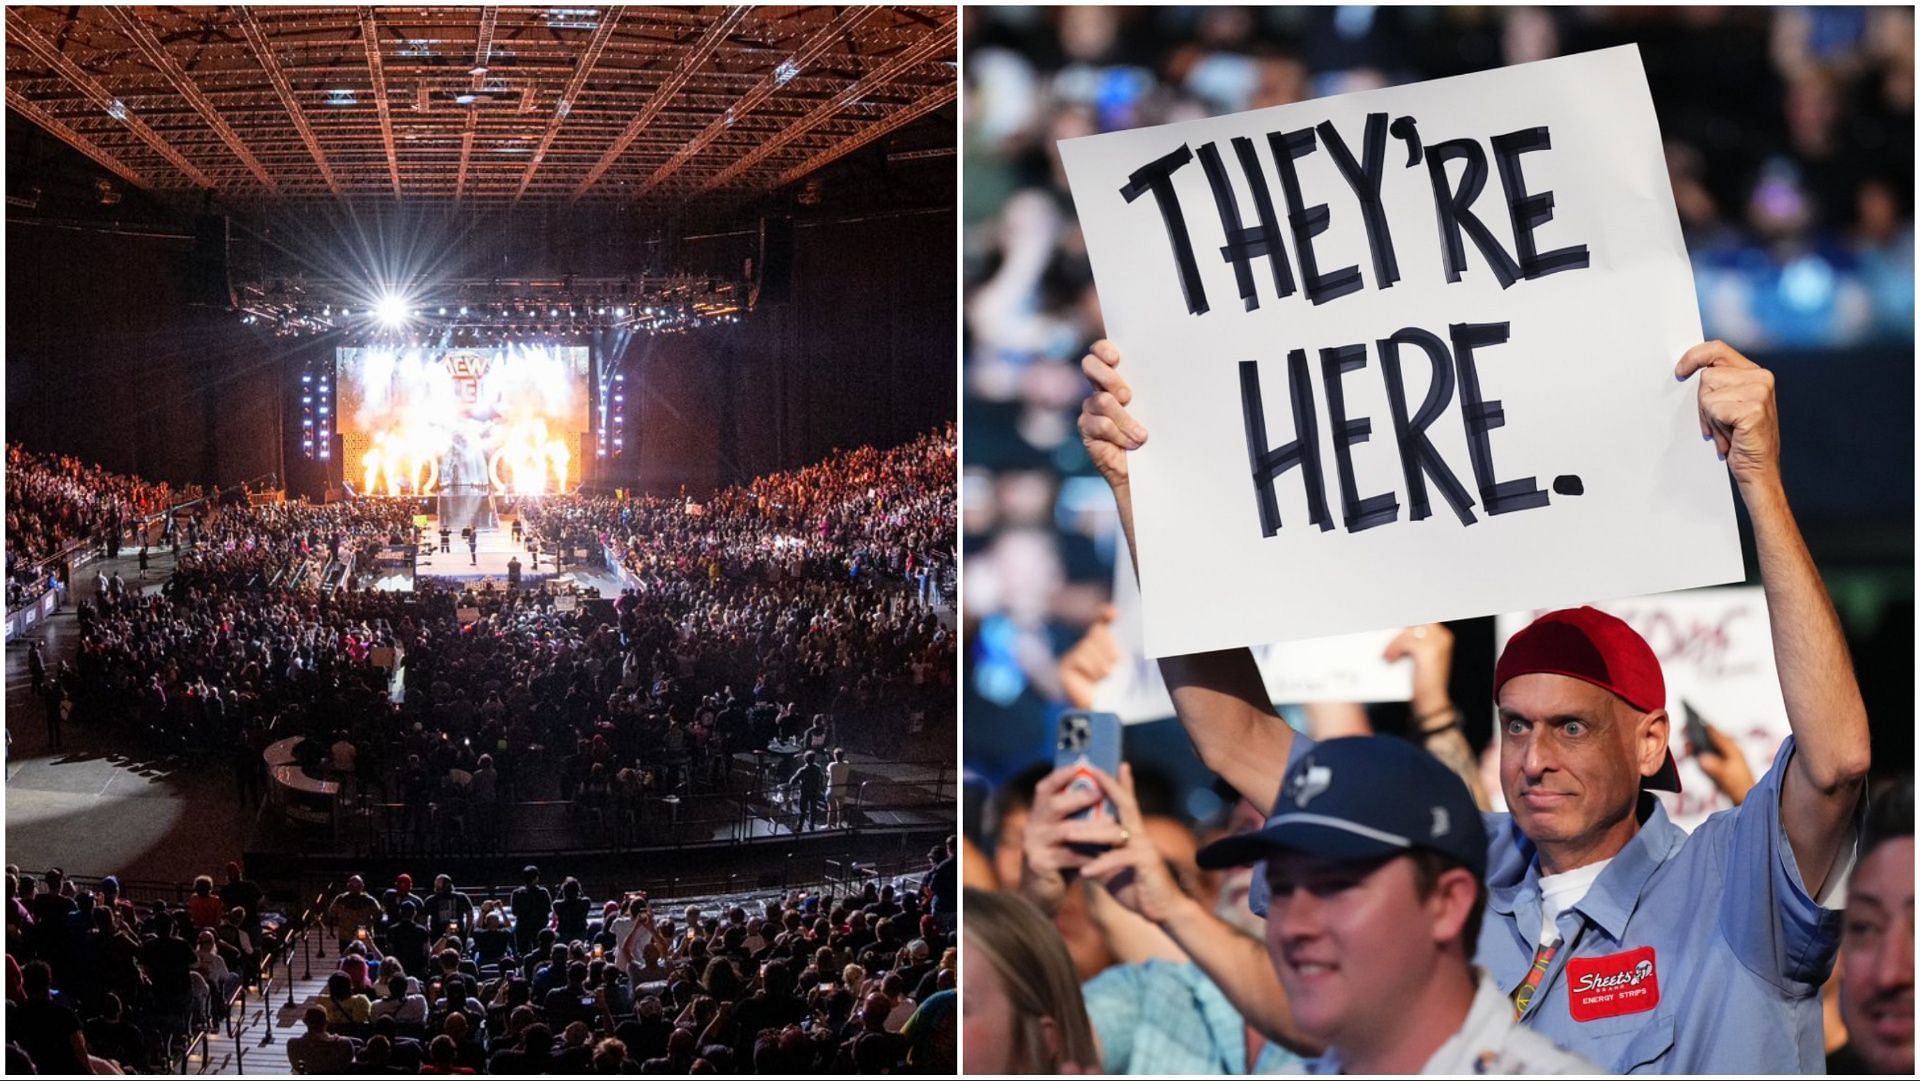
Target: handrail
(718, 884)
(308, 921)
(265, 481)
(387, 820)
(40, 569)
(199, 1041)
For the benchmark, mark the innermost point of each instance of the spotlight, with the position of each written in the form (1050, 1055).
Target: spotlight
(392, 311)
(621, 312)
(463, 309)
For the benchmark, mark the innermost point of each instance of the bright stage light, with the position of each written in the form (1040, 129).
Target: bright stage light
(392, 311)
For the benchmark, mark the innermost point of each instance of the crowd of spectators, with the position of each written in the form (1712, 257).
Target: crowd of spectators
(1788, 133)
(862, 513)
(55, 501)
(1113, 965)
(100, 983)
(809, 594)
(272, 544)
(539, 981)
(804, 608)
(234, 640)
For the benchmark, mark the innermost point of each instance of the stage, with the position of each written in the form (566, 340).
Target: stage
(486, 561)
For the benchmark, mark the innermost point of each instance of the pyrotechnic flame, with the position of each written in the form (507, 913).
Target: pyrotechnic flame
(529, 463)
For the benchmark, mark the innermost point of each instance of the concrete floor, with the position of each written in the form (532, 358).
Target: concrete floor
(89, 807)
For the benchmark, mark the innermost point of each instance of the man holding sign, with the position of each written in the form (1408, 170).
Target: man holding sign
(1615, 934)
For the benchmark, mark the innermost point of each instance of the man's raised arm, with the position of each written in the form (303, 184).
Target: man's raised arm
(1825, 780)
(1220, 698)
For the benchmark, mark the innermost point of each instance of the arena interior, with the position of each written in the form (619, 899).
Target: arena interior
(480, 486)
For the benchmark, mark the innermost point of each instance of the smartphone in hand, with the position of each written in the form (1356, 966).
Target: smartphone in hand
(1086, 740)
(1696, 729)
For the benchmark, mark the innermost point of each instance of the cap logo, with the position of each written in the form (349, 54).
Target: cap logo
(1441, 822)
(1310, 782)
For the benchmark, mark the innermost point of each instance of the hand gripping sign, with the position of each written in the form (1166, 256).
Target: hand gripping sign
(1405, 355)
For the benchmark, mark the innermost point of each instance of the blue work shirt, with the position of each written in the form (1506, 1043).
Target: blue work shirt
(1738, 949)
(1161, 1017)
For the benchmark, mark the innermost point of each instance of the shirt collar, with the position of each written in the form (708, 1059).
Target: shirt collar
(1614, 895)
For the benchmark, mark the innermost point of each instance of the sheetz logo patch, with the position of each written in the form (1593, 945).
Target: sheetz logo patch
(1619, 983)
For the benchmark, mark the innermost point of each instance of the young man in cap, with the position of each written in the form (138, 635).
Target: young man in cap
(1372, 902)
(1615, 933)
(1375, 905)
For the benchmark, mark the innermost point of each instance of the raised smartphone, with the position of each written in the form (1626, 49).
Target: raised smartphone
(1089, 740)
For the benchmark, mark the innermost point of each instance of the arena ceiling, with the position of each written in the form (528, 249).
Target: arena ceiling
(494, 105)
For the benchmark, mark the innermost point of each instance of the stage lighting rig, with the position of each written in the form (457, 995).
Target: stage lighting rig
(495, 308)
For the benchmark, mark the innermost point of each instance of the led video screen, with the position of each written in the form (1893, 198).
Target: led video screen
(506, 420)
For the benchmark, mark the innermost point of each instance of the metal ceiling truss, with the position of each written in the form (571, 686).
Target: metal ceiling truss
(73, 138)
(688, 62)
(786, 72)
(649, 105)
(277, 78)
(928, 48)
(482, 52)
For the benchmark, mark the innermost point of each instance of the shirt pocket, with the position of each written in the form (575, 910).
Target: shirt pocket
(1637, 1043)
(1648, 1050)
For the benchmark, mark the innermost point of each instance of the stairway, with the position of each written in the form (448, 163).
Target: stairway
(260, 1044)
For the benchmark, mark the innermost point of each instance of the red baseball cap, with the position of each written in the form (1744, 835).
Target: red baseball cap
(1591, 646)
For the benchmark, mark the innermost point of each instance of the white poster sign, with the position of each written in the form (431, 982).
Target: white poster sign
(1405, 355)
(1716, 654)
(1345, 668)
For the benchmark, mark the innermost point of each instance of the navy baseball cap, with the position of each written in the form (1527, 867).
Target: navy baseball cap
(1360, 799)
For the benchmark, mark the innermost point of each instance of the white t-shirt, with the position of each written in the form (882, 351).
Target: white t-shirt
(625, 927)
(1488, 1042)
(1561, 892)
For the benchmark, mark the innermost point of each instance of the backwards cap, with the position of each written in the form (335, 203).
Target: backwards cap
(1591, 646)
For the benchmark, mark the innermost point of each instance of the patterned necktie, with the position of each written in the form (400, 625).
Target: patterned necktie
(1523, 994)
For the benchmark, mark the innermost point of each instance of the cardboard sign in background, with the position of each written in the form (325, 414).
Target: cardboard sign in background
(1346, 668)
(1716, 651)
(1584, 383)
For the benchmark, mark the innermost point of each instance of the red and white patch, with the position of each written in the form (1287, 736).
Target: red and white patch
(1619, 983)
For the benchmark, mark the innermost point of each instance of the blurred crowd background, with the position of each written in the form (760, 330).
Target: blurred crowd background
(1789, 141)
